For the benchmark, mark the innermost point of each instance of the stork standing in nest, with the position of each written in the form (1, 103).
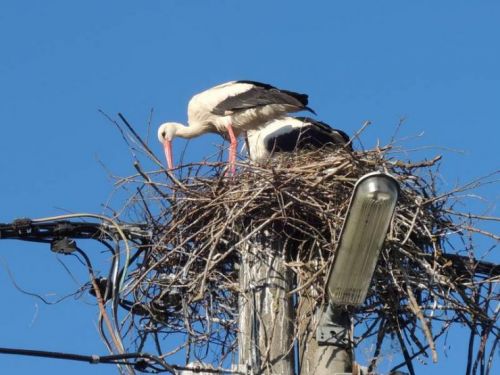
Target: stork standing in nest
(293, 134)
(230, 109)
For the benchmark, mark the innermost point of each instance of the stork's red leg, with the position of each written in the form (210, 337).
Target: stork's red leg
(232, 149)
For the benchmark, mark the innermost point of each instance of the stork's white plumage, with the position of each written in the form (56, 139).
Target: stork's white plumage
(229, 109)
(290, 134)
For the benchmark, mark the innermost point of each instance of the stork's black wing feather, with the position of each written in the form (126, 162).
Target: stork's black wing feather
(336, 134)
(302, 98)
(261, 94)
(312, 136)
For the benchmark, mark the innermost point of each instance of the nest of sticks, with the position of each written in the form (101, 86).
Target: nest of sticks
(184, 285)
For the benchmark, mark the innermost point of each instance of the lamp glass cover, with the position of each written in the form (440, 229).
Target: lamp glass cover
(365, 228)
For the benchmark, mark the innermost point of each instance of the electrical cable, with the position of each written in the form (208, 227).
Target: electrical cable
(114, 335)
(59, 233)
(96, 359)
(111, 284)
(102, 333)
(100, 217)
(111, 280)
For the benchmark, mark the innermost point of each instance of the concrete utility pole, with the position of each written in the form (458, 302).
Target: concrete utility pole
(266, 313)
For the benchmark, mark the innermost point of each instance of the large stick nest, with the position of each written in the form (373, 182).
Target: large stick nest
(185, 284)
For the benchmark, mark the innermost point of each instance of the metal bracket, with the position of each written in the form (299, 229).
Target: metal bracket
(332, 335)
(63, 245)
(334, 327)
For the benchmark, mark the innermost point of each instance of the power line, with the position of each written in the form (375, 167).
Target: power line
(144, 360)
(26, 229)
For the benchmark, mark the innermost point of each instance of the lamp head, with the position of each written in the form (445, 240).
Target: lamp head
(365, 227)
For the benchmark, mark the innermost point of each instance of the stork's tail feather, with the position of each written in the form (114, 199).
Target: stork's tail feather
(302, 98)
(310, 110)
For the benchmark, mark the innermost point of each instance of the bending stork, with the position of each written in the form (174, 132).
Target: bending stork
(229, 109)
(290, 134)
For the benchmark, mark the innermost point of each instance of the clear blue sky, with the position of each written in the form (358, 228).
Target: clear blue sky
(436, 63)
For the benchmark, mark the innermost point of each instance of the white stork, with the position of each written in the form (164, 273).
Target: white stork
(231, 108)
(290, 134)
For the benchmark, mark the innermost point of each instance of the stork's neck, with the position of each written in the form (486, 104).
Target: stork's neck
(190, 131)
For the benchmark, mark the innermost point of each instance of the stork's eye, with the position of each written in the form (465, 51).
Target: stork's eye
(163, 134)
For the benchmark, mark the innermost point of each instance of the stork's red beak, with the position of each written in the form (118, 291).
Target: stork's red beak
(167, 145)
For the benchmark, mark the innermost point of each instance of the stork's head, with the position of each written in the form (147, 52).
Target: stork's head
(166, 132)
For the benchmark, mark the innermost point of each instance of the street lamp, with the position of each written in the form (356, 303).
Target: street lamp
(365, 228)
